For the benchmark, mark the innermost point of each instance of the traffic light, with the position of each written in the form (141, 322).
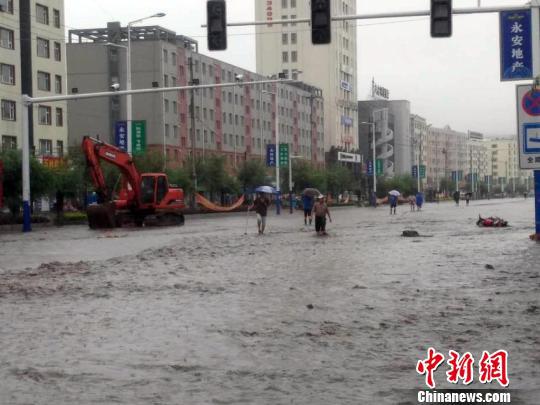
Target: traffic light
(216, 21)
(321, 19)
(441, 18)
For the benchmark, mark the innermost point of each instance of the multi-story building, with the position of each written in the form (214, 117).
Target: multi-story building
(288, 48)
(504, 165)
(32, 62)
(446, 153)
(477, 158)
(419, 129)
(392, 134)
(235, 121)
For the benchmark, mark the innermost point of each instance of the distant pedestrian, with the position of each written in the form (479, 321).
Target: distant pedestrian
(525, 195)
(467, 198)
(456, 197)
(307, 203)
(419, 200)
(261, 208)
(393, 200)
(59, 207)
(321, 211)
(412, 202)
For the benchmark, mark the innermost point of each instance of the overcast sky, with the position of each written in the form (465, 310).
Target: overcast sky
(448, 81)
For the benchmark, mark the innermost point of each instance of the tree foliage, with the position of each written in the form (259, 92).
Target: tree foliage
(252, 174)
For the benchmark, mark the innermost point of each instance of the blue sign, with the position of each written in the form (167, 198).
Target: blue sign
(120, 135)
(516, 45)
(415, 171)
(346, 121)
(531, 137)
(271, 155)
(370, 168)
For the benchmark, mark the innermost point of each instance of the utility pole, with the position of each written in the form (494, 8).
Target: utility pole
(192, 118)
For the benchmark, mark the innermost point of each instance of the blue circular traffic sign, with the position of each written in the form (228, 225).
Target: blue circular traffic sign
(531, 103)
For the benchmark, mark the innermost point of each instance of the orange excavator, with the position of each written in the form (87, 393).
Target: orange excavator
(143, 198)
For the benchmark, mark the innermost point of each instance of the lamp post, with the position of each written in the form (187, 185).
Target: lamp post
(128, 76)
(291, 157)
(238, 79)
(374, 155)
(276, 120)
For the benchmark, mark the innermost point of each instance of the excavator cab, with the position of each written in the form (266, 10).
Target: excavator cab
(154, 187)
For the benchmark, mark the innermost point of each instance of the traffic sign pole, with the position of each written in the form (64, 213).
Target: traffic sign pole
(537, 201)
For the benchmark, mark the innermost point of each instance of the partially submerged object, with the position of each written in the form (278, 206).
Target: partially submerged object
(491, 222)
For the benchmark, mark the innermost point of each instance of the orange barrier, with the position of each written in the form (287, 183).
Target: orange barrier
(217, 208)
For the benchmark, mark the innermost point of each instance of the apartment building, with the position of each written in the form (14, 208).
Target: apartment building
(503, 157)
(236, 121)
(32, 62)
(333, 67)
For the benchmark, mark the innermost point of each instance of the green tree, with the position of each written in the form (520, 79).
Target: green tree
(150, 162)
(339, 179)
(180, 177)
(252, 174)
(41, 179)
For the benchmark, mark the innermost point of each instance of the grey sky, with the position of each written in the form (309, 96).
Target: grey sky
(448, 81)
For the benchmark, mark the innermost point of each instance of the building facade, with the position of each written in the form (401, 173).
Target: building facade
(287, 48)
(504, 171)
(35, 66)
(393, 144)
(419, 130)
(235, 121)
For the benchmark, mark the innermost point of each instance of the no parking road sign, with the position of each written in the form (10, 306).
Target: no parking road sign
(528, 118)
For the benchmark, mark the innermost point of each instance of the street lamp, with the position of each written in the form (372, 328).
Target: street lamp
(128, 76)
(291, 157)
(276, 121)
(238, 78)
(374, 156)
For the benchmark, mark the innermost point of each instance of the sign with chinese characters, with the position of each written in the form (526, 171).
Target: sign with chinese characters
(349, 157)
(269, 11)
(120, 135)
(370, 168)
(422, 171)
(283, 154)
(52, 162)
(457, 175)
(271, 155)
(138, 137)
(346, 86)
(528, 118)
(379, 167)
(379, 91)
(516, 45)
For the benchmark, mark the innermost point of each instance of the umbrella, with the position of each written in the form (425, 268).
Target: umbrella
(394, 192)
(265, 189)
(312, 192)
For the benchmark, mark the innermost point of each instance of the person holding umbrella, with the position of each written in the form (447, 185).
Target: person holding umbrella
(307, 203)
(261, 204)
(393, 200)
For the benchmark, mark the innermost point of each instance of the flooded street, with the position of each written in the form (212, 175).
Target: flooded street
(204, 314)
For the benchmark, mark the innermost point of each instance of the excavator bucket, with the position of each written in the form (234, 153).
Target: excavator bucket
(101, 216)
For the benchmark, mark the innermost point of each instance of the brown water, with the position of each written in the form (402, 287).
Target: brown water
(207, 314)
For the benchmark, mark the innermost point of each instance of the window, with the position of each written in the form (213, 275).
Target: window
(7, 6)
(9, 142)
(175, 131)
(58, 84)
(44, 114)
(56, 17)
(44, 81)
(6, 38)
(294, 56)
(293, 38)
(57, 51)
(59, 117)
(166, 105)
(42, 14)
(167, 130)
(8, 110)
(175, 107)
(203, 68)
(45, 147)
(60, 148)
(284, 17)
(283, 3)
(285, 57)
(284, 39)
(173, 58)
(165, 81)
(293, 17)
(43, 48)
(293, 3)
(165, 56)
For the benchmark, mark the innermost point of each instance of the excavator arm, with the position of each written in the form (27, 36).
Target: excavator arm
(95, 151)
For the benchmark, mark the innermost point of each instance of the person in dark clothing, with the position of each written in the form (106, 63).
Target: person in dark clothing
(261, 208)
(307, 203)
(59, 207)
(456, 197)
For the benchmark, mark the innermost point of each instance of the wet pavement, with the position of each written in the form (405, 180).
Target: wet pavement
(205, 314)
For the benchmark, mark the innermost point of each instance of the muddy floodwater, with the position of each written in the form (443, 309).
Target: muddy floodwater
(206, 314)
